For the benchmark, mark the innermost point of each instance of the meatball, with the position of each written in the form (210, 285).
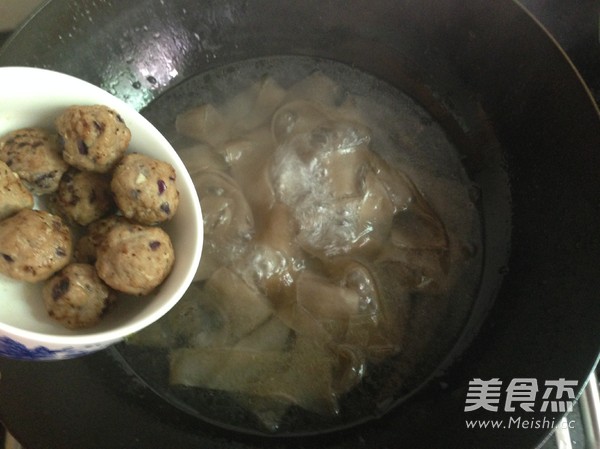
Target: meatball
(135, 259)
(87, 246)
(76, 297)
(95, 137)
(35, 155)
(34, 244)
(14, 196)
(84, 197)
(145, 189)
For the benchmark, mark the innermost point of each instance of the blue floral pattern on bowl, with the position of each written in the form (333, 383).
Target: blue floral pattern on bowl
(15, 350)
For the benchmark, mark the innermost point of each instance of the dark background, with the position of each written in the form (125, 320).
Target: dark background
(574, 24)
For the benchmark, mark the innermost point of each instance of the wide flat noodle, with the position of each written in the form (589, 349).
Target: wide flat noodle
(249, 158)
(254, 106)
(197, 320)
(243, 306)
(201, 157)
(205, 124)
(301, 376)
(228, 221)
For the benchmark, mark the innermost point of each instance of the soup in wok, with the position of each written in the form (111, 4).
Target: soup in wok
(342, 248)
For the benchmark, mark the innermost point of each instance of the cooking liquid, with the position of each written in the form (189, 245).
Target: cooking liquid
(408, 138)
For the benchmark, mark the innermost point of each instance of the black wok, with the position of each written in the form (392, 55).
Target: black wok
(506, 96)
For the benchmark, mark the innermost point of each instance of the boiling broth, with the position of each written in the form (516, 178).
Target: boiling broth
(408, 139)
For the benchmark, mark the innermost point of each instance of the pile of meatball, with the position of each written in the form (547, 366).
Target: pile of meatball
(100, 235)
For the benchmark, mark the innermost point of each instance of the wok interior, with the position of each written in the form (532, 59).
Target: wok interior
(405, 59)
(416, 319)
(478, 68)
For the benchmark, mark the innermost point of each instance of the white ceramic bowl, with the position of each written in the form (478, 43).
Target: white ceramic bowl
(35, 97)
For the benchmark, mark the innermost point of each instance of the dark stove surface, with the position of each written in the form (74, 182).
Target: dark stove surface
(574, 25)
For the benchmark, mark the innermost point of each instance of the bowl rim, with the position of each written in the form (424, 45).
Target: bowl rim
(92, 338)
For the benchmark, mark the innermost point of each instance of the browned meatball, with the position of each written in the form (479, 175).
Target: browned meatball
(135, 259)
(14, 196)
(76, 297)
(84, 197)
(87, 246)
(35, 155)
(34, 244)
(145, 189)
(95, 137)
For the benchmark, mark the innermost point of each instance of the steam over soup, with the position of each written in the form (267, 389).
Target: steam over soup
(341, 248)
